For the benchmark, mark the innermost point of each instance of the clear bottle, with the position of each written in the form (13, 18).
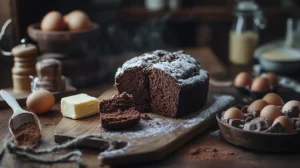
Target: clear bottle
(244, 35)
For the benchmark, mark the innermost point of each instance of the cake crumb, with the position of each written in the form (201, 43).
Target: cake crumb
(194, 151)
(157, 123)
(146, 117)
(230, 153)
(208, 153)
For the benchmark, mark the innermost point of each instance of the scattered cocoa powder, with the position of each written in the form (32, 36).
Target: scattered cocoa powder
(194, 151)
(27, 134)
(146, 117)
(209, 153)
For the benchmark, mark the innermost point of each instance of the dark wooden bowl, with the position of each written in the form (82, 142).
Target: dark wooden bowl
(258, 141)
(65, 42)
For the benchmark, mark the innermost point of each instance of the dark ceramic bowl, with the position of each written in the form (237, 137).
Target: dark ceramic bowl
(281, 67)
(259, 141)
(255, 95)
(64, 42)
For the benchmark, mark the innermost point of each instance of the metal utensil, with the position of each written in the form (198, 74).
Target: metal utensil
(20, 116)
(2, 32)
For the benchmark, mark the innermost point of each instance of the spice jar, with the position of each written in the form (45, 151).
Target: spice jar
(48, 76)
(24, 66)
(244, 35)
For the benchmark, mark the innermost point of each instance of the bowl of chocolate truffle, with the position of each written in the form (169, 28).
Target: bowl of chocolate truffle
(256, 87)
(266, 125)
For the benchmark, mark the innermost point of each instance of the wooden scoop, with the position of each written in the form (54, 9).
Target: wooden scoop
(20, 116)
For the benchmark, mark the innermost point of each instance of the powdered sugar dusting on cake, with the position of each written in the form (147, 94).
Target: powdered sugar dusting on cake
(201, 77)
(179, 65)
(144, 61)
(132, 63)
(161, 125)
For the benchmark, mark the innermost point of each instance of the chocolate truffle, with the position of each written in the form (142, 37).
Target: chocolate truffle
(258, 124)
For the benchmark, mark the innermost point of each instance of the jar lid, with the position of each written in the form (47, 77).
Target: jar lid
(252, 9)
(247, 6)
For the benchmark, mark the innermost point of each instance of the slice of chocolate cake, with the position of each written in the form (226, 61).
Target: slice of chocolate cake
(118, 112)
(121, 102)
(120, 119)
(171, 83)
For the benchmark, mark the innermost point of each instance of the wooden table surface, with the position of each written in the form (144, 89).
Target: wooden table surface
(224, 155)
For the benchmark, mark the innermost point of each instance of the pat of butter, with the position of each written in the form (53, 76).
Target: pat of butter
(79, 106)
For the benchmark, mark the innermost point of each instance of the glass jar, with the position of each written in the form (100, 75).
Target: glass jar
(244, 35)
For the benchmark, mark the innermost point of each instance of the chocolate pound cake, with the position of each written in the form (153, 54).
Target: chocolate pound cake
(170, 83)
(118, 112)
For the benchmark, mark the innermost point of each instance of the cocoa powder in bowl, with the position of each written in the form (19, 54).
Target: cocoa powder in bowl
(27, 134)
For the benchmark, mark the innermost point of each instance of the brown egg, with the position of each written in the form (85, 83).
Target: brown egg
(273, 99)
(77, 21)
(260, 84)
(233, 113)
(40, 101)
(286, 122)
(270, 112)
(257, 105)
(242, 79)
(272, 77)
(53, 21)
(289, 105)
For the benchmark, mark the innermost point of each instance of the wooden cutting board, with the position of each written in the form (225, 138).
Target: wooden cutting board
(150, 139)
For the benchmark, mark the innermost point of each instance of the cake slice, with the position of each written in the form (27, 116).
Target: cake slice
(121, 102)
(118, 112)
(120, 119)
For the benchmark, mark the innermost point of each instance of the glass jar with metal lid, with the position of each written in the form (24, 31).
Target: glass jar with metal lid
(244, 34)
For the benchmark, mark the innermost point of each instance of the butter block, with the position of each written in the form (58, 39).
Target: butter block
(79, 106)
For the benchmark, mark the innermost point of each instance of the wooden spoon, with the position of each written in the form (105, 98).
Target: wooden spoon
(20, 116)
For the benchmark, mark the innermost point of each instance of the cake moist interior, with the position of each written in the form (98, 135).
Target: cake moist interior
(137, 84)
(117, 102)
(120, 119)
(118, 112)
(163, 93)
(120, 116)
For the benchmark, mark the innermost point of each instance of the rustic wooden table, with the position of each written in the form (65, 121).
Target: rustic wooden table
(222, 154)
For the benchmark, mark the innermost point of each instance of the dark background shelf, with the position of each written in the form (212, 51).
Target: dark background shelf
(128, 26)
